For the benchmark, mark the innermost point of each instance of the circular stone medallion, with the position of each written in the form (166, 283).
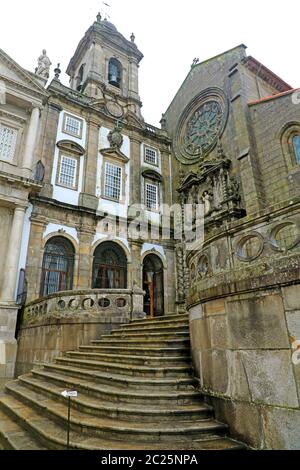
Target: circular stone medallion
(114, 109)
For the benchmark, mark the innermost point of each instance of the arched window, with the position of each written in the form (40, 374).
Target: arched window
(110, 267)
(58, 264)
(296, 147)
(290, 142)
(79, 79)
(114, 72)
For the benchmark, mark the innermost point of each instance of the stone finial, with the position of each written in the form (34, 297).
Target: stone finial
(43, 67)
(132, 37)
(163, 122)
(57, 72)
(99, 17)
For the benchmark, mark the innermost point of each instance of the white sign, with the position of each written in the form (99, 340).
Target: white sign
(66, 394)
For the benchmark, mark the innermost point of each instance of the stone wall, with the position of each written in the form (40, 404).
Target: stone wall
(244, 318)
(242, 355)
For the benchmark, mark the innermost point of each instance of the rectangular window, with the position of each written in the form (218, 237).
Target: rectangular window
(72, 125)
(112, 185)
(8, 140)
(150, 156)
(68, 171)
(151, 193)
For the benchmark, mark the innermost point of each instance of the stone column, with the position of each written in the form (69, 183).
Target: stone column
(12, 257)
(48, 144)
(31, 139)
(35, 256)
(85, 261)
(136, 265)
(88, 196)
(135, 171)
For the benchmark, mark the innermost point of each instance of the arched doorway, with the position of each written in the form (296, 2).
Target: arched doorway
(58, 265)
(153, 284)
(109, 267)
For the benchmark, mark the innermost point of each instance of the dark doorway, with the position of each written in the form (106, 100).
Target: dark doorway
(153, 284)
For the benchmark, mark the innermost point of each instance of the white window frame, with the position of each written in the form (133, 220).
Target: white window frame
(151, 149)
(62, 156)
(70, 132)
(120, 189)
(12, 156)
(157, 188)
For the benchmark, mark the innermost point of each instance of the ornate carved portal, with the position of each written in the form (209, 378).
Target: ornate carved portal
(214, 188)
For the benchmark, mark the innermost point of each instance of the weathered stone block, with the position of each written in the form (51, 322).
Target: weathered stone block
(200, 334)
(270, 377)
(238, 382)
(281, 428)
(244, 418)
(293, 322)
(257, 323)
(291, 297)
(218, 331)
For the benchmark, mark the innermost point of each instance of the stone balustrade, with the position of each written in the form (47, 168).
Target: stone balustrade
(92, 302)
(65, 320)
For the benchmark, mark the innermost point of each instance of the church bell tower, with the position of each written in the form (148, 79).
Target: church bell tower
(105, 67)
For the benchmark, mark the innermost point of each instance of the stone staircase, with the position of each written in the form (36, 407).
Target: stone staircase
(135, 392)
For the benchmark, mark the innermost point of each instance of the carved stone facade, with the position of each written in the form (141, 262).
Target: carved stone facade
(22, 97)
(244, 295)
(82, 216)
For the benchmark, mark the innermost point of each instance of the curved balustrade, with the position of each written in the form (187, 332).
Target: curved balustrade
(87, 302)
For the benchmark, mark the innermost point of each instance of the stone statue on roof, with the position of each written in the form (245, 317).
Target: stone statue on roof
(43, 67)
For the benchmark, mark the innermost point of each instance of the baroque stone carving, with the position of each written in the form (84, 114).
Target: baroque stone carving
(115, 137)
(43, 67)
(201, 125)
(214, 188)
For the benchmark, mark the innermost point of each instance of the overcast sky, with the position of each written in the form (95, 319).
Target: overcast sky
(170, 33)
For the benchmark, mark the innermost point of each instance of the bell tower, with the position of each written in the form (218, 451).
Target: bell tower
(105, 66)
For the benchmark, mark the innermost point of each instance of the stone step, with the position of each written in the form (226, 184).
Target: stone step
(147, 336)
(119, 395)
(15, 437)
(101, 427)
(128, 369)
(132, 382)
(131, 359)
(158, 330)
(153, 324)
(156, 327)
(53, 435)
(127, 412)
(142, 342)
(162, 319)
(137, 351)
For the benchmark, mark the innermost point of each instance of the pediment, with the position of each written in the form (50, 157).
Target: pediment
(115, 153)
(133, 120)
(11, 72)
(189, 180)
(70, 146)
(152, 174)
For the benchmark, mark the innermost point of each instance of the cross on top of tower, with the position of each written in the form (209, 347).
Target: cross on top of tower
(105, 10)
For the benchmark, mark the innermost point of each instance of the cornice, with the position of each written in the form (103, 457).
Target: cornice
(12, 116)
(31, 86)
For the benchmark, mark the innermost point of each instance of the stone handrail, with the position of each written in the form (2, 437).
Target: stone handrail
(128, 302)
